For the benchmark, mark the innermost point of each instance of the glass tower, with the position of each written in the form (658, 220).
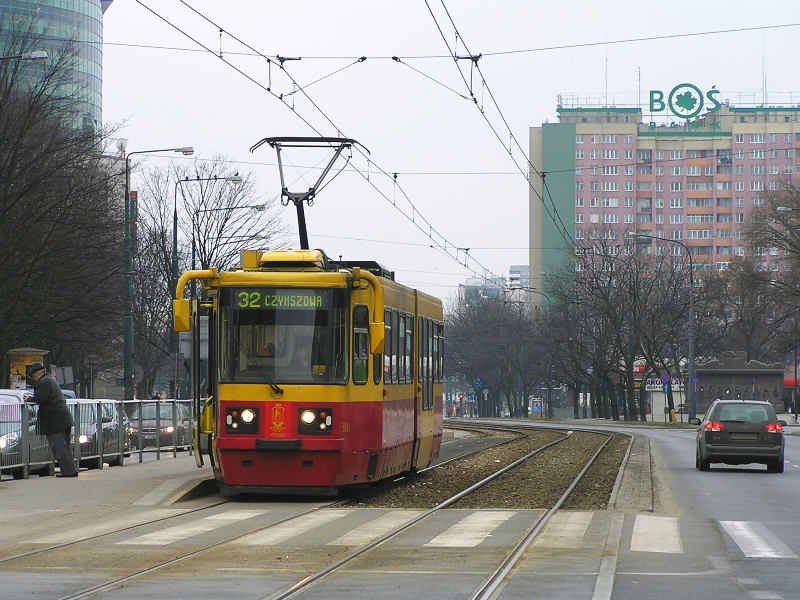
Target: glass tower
(58, 21)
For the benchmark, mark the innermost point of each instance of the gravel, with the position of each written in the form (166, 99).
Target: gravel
(536, 483)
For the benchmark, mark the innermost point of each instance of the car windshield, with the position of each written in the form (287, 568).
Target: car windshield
(149, 412)
(744, 413)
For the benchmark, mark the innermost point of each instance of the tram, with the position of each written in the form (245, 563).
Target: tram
(322, 375)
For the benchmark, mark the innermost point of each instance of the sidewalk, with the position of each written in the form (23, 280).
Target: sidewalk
(149, 483)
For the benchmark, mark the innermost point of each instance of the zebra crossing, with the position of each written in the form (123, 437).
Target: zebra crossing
(455, 529)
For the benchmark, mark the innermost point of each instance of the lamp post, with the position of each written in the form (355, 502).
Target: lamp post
(174, 338)
(127, 293)
(36, 57)
(690, 395)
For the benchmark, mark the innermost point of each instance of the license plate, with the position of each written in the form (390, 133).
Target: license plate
(744, 436)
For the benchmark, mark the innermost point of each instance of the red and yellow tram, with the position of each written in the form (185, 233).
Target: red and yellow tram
(322, 375)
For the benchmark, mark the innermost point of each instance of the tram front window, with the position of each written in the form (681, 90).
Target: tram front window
(285, 335)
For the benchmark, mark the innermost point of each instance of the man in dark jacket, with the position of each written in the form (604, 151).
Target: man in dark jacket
(55, 420)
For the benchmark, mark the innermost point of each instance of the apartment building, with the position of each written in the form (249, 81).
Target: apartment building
(608, 172)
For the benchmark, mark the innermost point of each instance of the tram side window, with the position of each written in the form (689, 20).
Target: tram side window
(395, 346)
(360, 343)
(387, 350)
(401, 349)
(409, 349)
(439, 352)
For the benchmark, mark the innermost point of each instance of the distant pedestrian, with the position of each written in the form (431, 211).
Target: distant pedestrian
(55, 420)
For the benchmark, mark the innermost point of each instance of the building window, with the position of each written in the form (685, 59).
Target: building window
(628, 169)
(578, 154)
(594, 185)
(676, 219)
(740, 202)
(691, 171)
(644, 170)
(724, 218)
(614, 170)
(628, 186)
(628, 154)
(709, 170)
(676, 170)
(724, 202)
(773, 169)
(757, 138)
(740, 169)
(676, 202)
(610, 139)
(594, 169)
(676, 154)
(628, 217)
(593, 202)
(758, 169)
(724, 249)
(787, 138)
(739, 185)
(594, 218)
(579, 170)
(610, 202)
(756, 186)
(790, 153)
(643, 155)
(676, 234)
(773, 137)
(628, 138)
(593, 139)
(787, 169)
(758, 153)
(659, 155)
(739, 138)
(644, 185)
(578, 218)
(660, 219)
(659, 171)
(579, 202)
(578, 186)
(659, 203)
(611, 218)
(594, 154)
(579, 234)
(773, 153)
(643, 218)
(628, 202)
(610, 154)
(676, 186)
(693, 153)
(740, 154)
(579, 138)
(659, 186)
(740, 217)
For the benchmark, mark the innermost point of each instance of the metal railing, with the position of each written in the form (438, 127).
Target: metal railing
(160, 425)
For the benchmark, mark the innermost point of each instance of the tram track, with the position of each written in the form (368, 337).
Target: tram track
(336, 565)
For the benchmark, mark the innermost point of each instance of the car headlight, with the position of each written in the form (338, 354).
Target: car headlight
(168, 429)
(83, 438)
(8, 439)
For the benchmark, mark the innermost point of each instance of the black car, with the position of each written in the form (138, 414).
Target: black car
(163, 424)
(736, 432)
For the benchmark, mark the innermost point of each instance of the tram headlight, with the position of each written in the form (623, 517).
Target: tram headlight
(314, 420)
(240, 419)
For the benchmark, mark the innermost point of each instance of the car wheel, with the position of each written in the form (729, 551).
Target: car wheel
(116, 462)
(775, 466)
(703, 465)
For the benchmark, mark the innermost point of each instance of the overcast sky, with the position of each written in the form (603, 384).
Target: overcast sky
(415, 116)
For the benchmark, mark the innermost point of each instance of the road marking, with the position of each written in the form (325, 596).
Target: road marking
(117, 522)
(157, 495)
(656, 534)
(565, 530)
(375, 528)
(604, 586)
(290, 529)
(764, 595)
(756, 541)
(472, 530)
(181, 532)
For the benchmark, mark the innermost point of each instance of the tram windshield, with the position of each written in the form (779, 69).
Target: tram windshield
(283, 335)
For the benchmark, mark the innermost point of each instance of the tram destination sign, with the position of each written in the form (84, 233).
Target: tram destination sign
(260, 299)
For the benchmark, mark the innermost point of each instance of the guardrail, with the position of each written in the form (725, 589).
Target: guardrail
(105, 432)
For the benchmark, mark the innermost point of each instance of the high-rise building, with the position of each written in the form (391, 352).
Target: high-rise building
(610, 173)
(57, 21)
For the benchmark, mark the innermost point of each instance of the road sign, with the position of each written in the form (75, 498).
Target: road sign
(695, 378)
(665, 378)
(485, 392)
(666, 388)
(92, 361)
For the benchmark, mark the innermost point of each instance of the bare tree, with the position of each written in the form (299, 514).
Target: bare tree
(60, 252)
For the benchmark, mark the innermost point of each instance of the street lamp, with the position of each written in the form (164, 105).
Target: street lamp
(36, 57)
(127, 293)
(690, 395)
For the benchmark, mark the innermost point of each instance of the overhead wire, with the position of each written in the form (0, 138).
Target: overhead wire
(432, 233)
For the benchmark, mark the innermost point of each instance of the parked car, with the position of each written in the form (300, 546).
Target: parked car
(159, 427)
(12, 452)
(115, 442)
(736, 432)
